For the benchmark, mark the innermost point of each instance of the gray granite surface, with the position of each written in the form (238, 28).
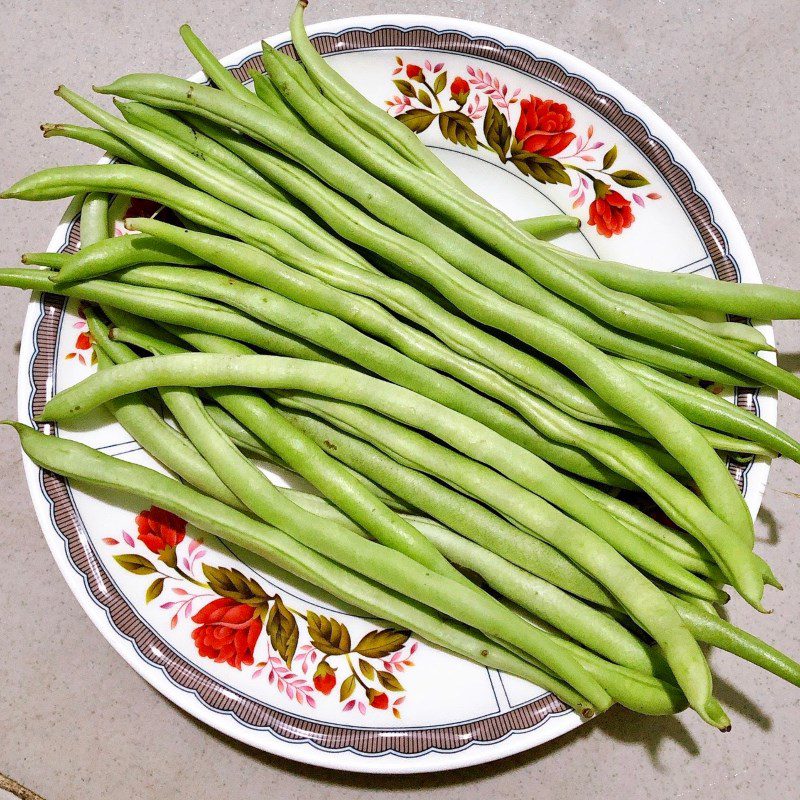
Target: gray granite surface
(76, 722)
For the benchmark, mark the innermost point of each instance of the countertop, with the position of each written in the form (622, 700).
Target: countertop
(76, 722)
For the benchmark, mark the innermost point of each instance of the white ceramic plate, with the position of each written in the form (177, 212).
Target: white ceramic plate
(162, 596)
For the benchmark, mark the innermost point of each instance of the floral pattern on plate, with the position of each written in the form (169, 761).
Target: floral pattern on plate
(543, 146)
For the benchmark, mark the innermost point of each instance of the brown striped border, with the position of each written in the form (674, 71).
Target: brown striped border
(252, 713)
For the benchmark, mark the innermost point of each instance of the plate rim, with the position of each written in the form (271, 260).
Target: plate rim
(475, 752)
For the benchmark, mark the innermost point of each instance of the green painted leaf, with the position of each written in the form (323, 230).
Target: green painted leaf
(379, 644)
(367, 670)
(231, 583)
(347, 688)
(610, 157)
(136, 564)
(440, 83)
(154, 590)
(424, 98)
(389, 681)
(538, 167)
(458, 128)
(496, 130)
(406, 88)
(328, 635)
(628, 178)
(282, 629)
(169, 557)
(417, 119)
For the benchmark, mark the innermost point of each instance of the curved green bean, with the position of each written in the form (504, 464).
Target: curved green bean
(352, 223)
(642, 600)
(549, 227)
(753, 300)
(94, 219)
(102, 139)
(170, 307)
(77, 461)
(705, 408)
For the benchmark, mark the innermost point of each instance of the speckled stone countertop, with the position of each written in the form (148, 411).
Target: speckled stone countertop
(77, 722)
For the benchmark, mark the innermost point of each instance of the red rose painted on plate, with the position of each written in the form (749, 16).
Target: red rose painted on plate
(540, 140)
(159, 529)
(228, 632)
(610, 213)
(544, 126)
(237, 621)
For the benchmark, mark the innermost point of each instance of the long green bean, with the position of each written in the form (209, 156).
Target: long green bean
(77, 461)
(705, 408)
(327, 331)
(643, 601)
(102, 139)
(554, 272)
(352, 223)
(171, 307)
(753, 300)
(471, 519)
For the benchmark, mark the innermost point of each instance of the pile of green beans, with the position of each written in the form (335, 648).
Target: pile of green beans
(468, 398)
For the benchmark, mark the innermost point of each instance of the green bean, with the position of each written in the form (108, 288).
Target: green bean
(635, 518)
(268, 95)
(471, 519)
(459, 512)
(584, 624)
(80, 462)
(705, 408)
(553, 272)
(158, 438)
(169, 126)
(738, 333)
(340, 339)
(113, 254)
(730, 444)
(215, 180)
(713, 630)
(171, 307)
(753, 300)
(352, 223)
(645, 603)
(94, 218)
(545, 263)
(549, 227)
(102, 139)
(351, 102)
(214, 71)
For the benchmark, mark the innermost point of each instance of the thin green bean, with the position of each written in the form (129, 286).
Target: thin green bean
(643, 601)
(454, 510)
(102, 139)
(80, 462)
(553, 271)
